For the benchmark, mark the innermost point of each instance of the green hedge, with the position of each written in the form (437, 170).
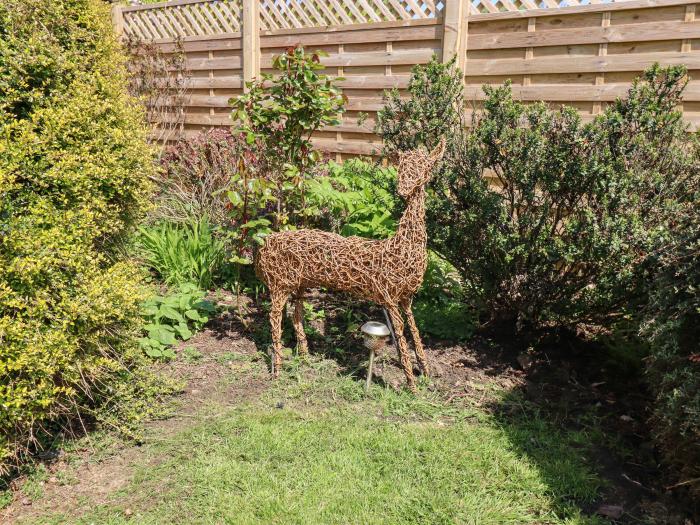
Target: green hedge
(74, 172)
(672, 325)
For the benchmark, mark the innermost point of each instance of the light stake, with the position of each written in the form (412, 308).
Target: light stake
(375, 336)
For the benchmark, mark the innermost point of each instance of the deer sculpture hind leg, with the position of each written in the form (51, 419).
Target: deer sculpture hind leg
(302, 345)
(415, 334)
(278, 299)
(402, 349)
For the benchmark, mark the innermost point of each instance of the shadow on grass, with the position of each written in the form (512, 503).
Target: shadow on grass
(582, 422)
(564, 457)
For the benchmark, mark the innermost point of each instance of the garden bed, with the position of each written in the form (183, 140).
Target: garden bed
(538, 418)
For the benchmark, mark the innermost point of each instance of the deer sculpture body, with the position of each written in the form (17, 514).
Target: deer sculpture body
(387, 272)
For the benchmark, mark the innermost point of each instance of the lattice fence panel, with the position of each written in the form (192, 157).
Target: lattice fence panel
(498, 6)
(182, 19)
(287, 14)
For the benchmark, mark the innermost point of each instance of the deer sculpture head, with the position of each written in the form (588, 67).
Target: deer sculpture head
(416, 168)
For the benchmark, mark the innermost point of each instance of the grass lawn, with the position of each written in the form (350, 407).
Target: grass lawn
(314, 449)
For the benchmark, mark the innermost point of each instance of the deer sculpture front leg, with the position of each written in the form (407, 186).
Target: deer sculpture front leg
(406, 305)
(302, 345)
(402, 349)
(278, 300)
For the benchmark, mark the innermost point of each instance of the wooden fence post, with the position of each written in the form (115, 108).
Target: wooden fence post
(250, 40)
(118, 20)
(454, 36)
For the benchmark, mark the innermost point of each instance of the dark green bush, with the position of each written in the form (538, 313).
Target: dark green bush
(547, 218)
(74, 175)
(673, 328)
(432, 111)
(440, 307)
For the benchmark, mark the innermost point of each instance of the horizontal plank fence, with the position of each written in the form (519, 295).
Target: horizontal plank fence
(563, 53)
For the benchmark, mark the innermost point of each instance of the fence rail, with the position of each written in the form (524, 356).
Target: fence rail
(584, 55)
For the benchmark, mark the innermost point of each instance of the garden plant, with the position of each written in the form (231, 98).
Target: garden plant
(553, 223)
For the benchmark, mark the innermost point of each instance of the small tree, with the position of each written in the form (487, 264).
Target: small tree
(433, 110)
(282, 112)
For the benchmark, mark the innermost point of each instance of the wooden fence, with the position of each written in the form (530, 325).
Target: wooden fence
(583, 55)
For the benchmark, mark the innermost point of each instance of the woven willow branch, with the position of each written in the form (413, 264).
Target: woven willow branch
(387, 272)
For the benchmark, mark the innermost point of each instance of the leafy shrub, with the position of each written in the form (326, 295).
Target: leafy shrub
(673, 329)
(195, 175)
(252, 204)
(440, 307)
(556, 235)
(173, 317)
(354, 198)
(73, 179)
(282, 112)
(432, 111)
(183, 253)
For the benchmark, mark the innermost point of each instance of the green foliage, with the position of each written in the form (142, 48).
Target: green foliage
(171, 318)
(183, 253)
(432, 111)
(440, 307)
(74, 173)
(673, 328)
(282, 112)
(559, 237)
(220, 178)
(354, 198)
(252, 201)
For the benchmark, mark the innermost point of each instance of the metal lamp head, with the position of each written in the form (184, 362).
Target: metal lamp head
(375, 335)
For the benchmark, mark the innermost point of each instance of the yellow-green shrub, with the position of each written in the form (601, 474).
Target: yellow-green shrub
(74, 172)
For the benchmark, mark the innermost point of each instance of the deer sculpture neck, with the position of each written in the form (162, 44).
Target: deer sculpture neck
(411, 229)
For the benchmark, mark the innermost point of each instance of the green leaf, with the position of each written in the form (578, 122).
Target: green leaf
(183, 331)
(163, 334)
(170, 313)
(153, 352)
(193, 314)
(240, 260)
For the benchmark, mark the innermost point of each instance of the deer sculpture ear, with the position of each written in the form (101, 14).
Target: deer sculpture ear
(433, 158)
(439, 150)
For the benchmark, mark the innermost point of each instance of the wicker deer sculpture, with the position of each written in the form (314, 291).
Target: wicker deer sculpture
(387, 272)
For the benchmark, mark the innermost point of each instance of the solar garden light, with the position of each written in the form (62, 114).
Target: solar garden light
(375, 337)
